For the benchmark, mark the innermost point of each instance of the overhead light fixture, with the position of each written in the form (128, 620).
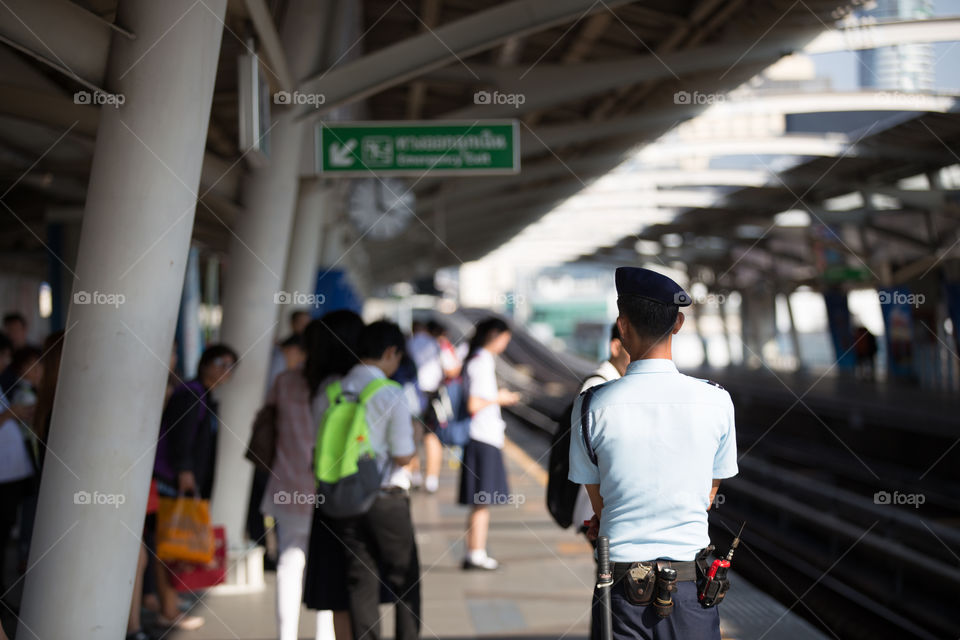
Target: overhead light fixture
(792, 218)
(750, 231)
(672, 240)
(647, 247)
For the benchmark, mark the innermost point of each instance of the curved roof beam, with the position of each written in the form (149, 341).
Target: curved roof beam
(871, 36)
(413, 57)
(61, 35)
(546, 85)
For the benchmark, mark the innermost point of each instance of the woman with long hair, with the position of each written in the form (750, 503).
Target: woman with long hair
(302, 535)
(483, 477)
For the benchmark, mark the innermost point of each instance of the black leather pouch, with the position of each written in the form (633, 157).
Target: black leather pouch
(640, 583)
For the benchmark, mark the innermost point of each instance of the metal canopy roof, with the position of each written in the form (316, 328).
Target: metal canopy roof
(599, 78)
(737, 243)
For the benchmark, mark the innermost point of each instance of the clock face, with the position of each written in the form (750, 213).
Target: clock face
(380, 208)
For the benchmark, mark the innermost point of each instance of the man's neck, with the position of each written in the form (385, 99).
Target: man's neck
(659, 351)
(372, 363)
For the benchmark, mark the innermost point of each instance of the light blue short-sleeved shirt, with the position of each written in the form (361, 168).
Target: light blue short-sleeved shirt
(660, 438)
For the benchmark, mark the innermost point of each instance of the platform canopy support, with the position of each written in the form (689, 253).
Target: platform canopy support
(252, 301)
(133, 250)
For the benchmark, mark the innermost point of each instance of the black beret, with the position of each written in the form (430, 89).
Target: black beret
(644, 283)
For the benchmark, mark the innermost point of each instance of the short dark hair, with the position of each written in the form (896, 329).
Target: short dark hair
(651, 320)
(379, 336)
(615, 333)
(435, 329)
(14, 316)
(213, 352)
(331, 343)
(23, 357)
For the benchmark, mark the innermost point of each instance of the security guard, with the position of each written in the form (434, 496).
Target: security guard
(651, 449)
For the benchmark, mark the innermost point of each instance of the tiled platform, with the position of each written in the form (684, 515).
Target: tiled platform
(541, 593)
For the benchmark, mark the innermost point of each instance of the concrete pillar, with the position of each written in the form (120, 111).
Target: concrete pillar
(312, 204)
(255, 273)
(794, 334)
(133, 247)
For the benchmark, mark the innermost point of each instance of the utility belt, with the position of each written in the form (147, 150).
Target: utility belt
(686, 571)
(655, 581)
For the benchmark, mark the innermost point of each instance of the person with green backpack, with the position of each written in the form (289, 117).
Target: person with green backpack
(365, 439)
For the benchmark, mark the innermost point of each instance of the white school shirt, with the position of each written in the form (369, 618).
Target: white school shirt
(486, 425)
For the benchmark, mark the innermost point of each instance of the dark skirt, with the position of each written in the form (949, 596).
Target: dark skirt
(483, 477)
(325, 580)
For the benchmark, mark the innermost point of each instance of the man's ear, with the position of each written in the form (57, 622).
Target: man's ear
(679, 322)
(616, 347)
(623, 325)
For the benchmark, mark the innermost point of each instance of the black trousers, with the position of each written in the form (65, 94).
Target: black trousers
(382, 539)
(11, 497)
(689, 621)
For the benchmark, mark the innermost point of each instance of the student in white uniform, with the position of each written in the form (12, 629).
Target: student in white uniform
(483, 478)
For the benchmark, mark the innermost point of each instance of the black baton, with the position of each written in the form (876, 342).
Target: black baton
(604, 583)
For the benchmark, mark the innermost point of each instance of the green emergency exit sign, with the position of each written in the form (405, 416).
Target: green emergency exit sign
(486, 147)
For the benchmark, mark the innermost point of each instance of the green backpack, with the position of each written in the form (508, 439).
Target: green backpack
(344, 462)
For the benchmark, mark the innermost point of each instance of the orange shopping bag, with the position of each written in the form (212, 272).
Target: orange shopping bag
(184, 531)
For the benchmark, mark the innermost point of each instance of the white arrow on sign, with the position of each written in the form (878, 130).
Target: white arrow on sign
(341, 155)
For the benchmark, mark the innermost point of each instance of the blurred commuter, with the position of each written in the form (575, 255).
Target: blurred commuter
(293, 355)
(383, 537)
(15, 326)
(173, 380)
(186, 454)
(449, 359)
(330, 346)
(283, 358)
(424, 352)
(450, 367)
(15, 329)
(865, 351)
(293, 352)
(612, 368)
(6, 350)
(17, 470)
(483, 477)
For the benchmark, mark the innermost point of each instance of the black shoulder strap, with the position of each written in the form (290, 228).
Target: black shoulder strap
(586, 396)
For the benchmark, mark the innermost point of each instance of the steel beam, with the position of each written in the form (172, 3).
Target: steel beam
(413, 57)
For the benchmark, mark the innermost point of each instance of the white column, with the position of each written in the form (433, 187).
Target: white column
(794, 334)
(255, 273)
(312, 205)
(133, 248)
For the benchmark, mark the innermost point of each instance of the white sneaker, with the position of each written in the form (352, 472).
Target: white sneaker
(479, 560)
(416, 480)
(431, 484)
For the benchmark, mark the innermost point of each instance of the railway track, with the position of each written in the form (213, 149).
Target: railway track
(816, 538)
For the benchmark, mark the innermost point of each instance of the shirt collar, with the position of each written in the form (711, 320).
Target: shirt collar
(372, 370)
(607, 371)
(652, 365)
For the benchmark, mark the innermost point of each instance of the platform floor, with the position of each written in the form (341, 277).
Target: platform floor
(542, 591)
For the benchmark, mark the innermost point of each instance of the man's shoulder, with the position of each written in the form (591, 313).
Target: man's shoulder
(706, 390)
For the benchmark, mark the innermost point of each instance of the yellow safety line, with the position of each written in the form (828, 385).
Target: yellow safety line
(522, 458)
